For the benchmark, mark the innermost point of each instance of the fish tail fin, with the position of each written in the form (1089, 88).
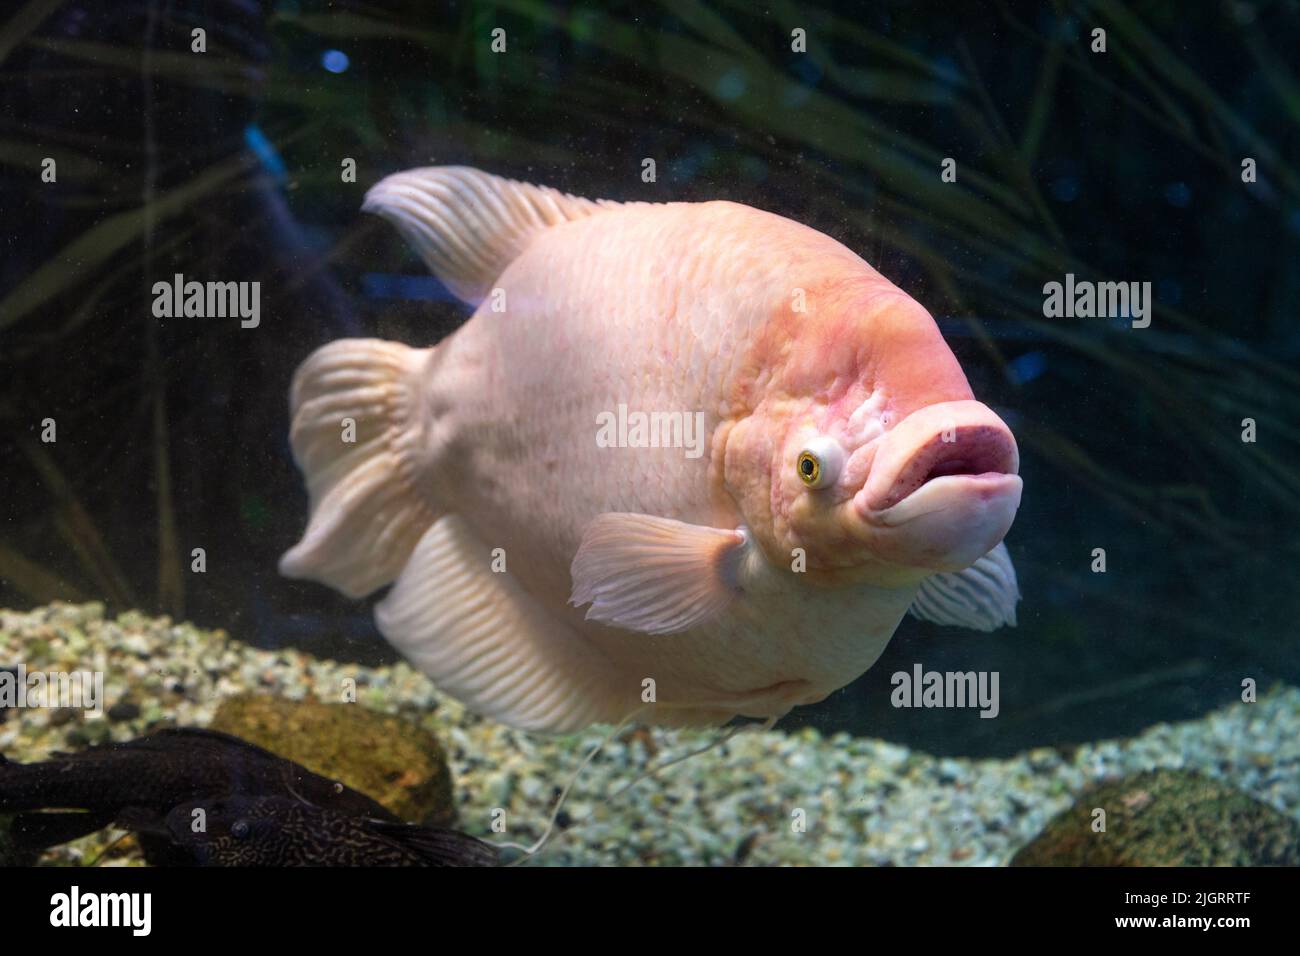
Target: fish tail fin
(468, 225)
(359, 436)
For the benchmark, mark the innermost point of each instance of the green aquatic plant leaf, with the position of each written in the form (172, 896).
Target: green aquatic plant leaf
(77, 528)
(80, 259)
(1182, 77)
(36, 582)
(24, 22)
(231, 75)
(24, 154)
(350, 25)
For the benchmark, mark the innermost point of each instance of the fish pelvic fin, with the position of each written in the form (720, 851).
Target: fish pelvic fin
(468, 225)
(358, 434)
(983, 597)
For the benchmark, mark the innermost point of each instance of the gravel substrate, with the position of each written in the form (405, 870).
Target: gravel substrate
(863, 801)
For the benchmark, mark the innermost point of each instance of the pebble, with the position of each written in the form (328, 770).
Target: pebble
(124, 710)
(61, 716)
(864, 801)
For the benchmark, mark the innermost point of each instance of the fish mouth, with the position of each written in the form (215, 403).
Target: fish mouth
(944, 487)
(979, 455)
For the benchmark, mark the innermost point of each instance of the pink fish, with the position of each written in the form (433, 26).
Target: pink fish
(686, 461)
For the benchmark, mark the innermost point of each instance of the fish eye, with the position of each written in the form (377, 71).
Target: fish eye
(820, 462)
(240, 829)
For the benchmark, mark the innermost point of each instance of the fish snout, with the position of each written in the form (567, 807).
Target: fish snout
(944, 488)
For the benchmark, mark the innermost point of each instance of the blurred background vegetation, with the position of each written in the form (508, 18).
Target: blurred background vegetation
(1123, 165)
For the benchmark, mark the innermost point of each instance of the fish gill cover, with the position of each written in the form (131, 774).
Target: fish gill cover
(1098, 202)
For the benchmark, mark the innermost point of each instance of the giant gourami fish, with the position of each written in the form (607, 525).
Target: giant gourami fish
(846, 472)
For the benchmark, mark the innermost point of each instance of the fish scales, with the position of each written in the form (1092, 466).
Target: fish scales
(837, 430)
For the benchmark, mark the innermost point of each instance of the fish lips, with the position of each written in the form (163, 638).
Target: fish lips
(943, 489)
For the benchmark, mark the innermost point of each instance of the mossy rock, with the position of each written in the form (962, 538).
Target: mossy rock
(385, 757)
(1166, 818)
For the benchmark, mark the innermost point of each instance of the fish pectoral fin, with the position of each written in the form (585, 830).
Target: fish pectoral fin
(983, 597)
(438, 846)
(655, 575)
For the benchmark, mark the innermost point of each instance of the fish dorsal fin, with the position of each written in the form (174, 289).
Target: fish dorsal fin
(982, 597)
(488, 643)
(468, 225)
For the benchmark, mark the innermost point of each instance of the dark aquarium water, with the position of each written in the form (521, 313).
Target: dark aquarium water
(1055, 241)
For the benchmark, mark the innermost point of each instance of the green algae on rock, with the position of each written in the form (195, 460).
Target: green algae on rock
(389, 758)
(1166, 818)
